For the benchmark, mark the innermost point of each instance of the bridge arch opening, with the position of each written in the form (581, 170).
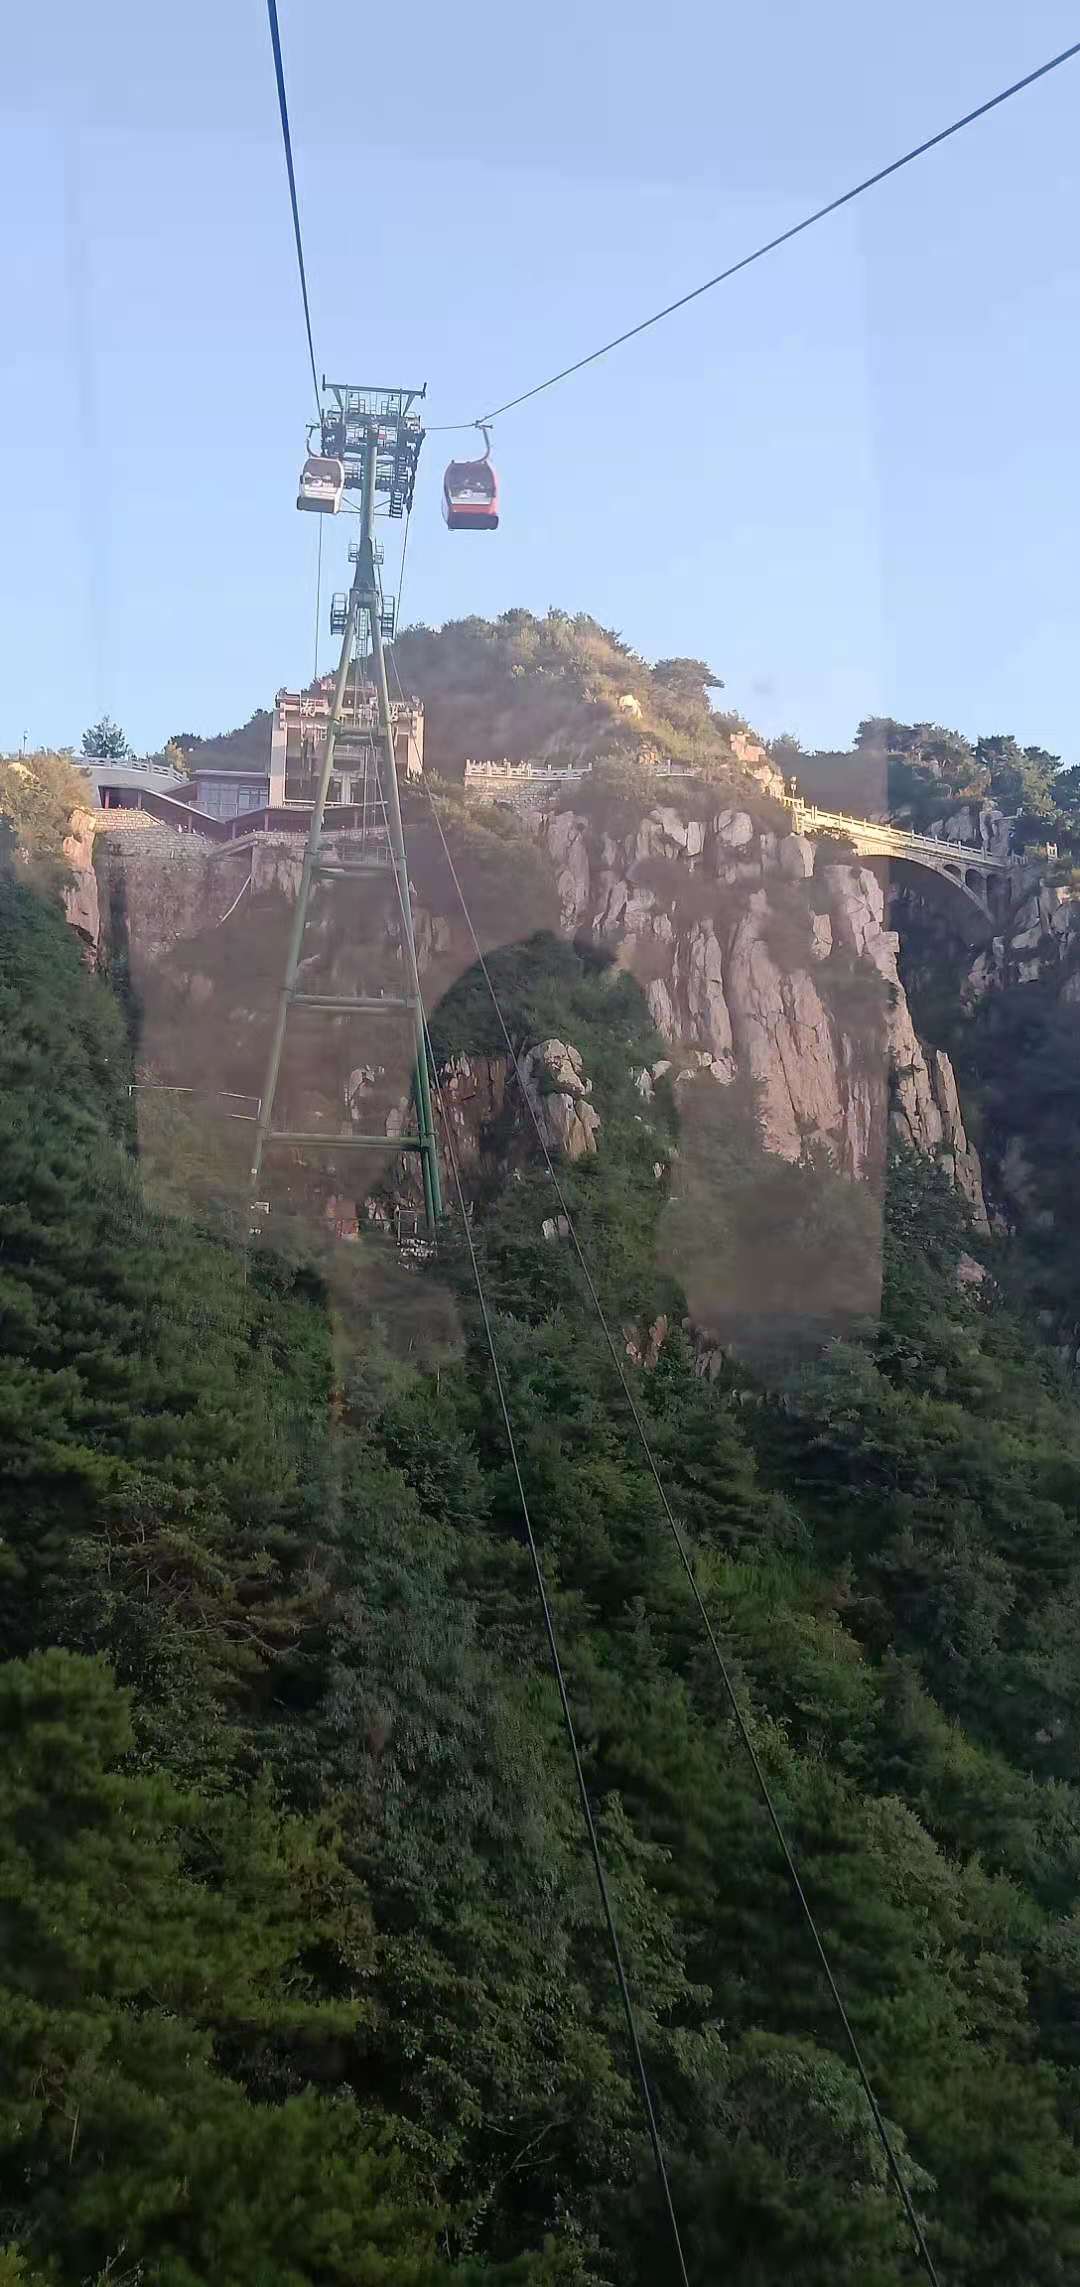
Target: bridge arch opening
(945, 890)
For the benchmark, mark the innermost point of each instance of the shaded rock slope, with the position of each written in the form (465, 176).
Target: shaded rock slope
(758, 958)
(765, 962)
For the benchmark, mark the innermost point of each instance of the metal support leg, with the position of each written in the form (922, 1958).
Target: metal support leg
(421, 1081)
(311, 852)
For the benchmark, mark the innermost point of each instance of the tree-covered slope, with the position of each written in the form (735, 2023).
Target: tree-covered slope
(304, 1977)
(559, 689)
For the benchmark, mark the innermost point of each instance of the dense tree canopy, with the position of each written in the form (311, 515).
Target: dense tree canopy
(104, 741)
(304, 1978)
(922, 771)
(38, 793)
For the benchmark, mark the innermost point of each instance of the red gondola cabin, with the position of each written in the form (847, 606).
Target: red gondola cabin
(471, 496)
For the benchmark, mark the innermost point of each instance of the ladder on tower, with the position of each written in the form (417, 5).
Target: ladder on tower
(381, 857)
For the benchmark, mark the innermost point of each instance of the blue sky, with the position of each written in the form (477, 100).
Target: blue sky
(850, 480)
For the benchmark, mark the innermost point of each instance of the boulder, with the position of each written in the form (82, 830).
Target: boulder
(1017, 1175)
(796, 857)
(732, 830)
(960, 1158)
(783, 1039)
(707, 1009)
(567, 840)
(687, 834)
(82, 909)
(553, 1079)
(643, 1344)
(821, 936)
(969, 1273)
(473, 1092)
(661, 1008)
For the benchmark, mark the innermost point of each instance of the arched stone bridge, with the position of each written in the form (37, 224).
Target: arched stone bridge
(969, 870)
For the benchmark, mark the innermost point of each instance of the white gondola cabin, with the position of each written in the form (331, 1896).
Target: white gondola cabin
(322, 482)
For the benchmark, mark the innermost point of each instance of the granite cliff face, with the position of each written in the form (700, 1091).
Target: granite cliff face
(764, 960)
(760, 960)
(1041, 942)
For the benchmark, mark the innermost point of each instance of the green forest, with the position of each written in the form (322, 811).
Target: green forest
(919, 772)
(304, 1976)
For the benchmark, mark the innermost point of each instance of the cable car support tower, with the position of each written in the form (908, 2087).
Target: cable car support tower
(377, 438)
